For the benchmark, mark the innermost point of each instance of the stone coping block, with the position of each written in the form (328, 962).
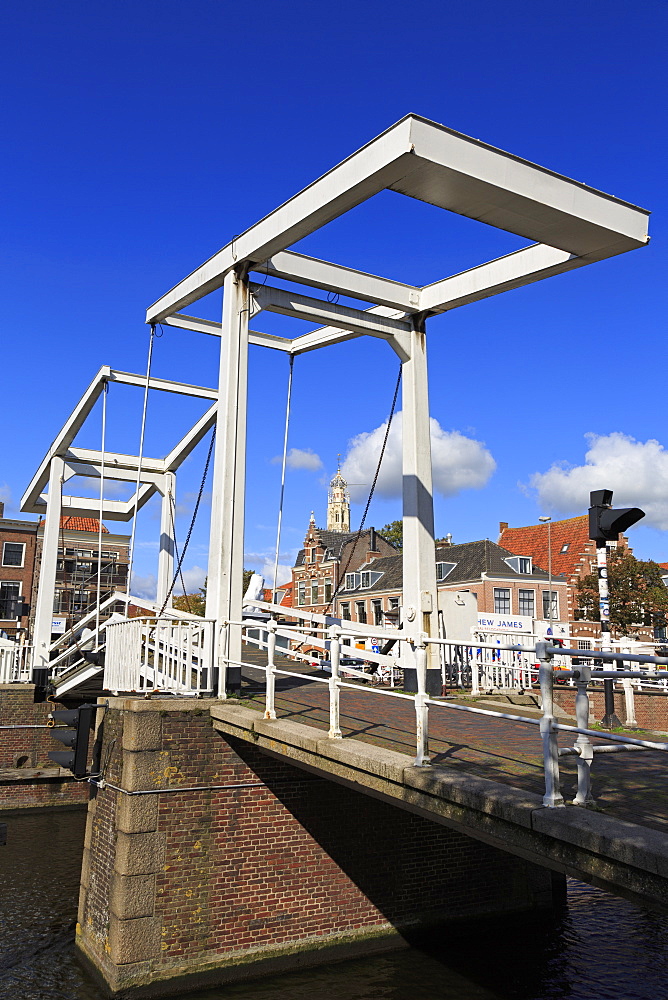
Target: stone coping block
(483, 794)
(636, 846)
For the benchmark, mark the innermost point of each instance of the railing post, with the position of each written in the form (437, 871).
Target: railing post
(270, 688)
(553, 796)
(422, 758)
(334, 684)
(475, 675)
(220, 647)
(583, 744)
(629, 698)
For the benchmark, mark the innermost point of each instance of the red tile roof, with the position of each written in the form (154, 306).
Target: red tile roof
(533, 541)
(286, 600)
(82, 524)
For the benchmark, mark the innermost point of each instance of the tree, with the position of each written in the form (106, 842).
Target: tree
(394, 533)
(636, 592)
(195, 604)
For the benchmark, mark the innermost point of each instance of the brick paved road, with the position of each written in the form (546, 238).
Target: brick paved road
(632, 786)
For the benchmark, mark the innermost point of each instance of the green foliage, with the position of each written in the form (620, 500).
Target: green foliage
(394, 533)
(636, 590)
(195, 604)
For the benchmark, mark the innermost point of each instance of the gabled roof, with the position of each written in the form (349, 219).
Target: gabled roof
(533, 541)
(335, 541)
(472, 559)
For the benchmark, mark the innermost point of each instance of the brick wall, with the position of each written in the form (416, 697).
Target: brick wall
(28, 779)
(224, 883)
(651, 707)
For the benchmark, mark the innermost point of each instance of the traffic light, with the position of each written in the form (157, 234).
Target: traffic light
(606, 523)
(74, 732)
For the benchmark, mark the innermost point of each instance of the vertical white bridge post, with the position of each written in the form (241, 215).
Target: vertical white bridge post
(47, 571)
(166, 551)
(420, 608)
(225, 577)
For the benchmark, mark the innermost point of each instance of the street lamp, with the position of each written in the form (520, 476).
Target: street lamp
(548, 520)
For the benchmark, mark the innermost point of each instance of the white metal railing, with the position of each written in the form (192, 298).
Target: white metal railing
(160, 654)
(15, 663)
(414, 651)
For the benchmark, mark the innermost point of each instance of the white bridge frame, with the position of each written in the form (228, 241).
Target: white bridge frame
(570, 223)
(63, 461)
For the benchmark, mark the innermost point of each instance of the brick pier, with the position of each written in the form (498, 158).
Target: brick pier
(193, 887)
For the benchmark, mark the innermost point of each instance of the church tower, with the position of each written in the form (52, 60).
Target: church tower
(338, 504)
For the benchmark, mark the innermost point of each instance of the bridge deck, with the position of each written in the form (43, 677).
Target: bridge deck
(629, 786)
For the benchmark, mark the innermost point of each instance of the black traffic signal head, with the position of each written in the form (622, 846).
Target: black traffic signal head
(605, 523)
(74, 732)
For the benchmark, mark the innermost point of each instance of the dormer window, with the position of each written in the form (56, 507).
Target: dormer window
(565, 547)
(368, 578)
(352, 581)
(443, 569)
(520, 564)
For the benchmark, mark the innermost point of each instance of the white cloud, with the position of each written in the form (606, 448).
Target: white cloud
(193, 579)
(112, 487)
(459, 462)
(263, 563)
(637, 471)
(298, 458)
(144, 586)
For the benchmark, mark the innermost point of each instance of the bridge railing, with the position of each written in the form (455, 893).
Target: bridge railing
(160, 654)
(414, 650)
(15, 663)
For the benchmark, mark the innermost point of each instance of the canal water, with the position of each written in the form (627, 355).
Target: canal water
(596, 948)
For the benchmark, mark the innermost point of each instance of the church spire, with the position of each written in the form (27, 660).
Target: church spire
(338, 503)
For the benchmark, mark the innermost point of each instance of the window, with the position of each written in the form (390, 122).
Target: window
(314, 553)
(565, 547)
(360, 607)
(394, 604)
(443, 569)
(527, 602)
(352, 581)
(365, 580)
(377, 610)
(345, 612)
(501, 601)
(314, 591)
(660, 632)
(584, 643)
(520, 564)
(9, 593)
(13, 553)
(301, 592)
(328, 590)
(550, 613)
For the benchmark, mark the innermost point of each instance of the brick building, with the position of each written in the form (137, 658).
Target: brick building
(329, 552)
(18, 545)
(77, 567)
(507, 586)
(573, 555)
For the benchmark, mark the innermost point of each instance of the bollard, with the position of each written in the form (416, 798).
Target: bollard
(553, 796)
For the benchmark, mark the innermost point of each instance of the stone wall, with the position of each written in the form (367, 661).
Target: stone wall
(278, 868)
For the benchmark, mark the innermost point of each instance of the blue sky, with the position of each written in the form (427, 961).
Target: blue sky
(138, 138)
